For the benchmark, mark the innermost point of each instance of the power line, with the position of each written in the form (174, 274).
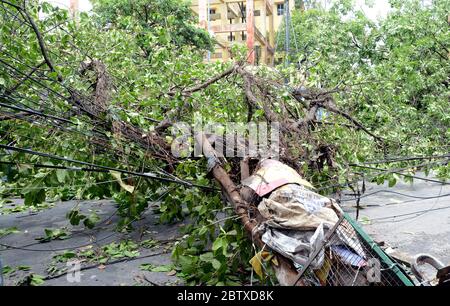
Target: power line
(97, 141)
(145, 175)
(53, 166)
(57, 249)
(50, 123)
(406, 158)
(34, 112)
(108, 263)
(397, 171)
(412, 213)
(395, 192)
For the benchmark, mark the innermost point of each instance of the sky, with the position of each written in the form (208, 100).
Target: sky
(84, 5)
(379, 8)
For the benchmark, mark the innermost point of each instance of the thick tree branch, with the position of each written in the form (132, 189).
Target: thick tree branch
(285, 272)
(332, 108)
(41, 43)
(189, 91)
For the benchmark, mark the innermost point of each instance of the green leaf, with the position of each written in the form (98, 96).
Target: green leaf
(392, 181)
(23, 268)
(8, 231)
(152, 268)
(75, 217)
(218, 243)
(8, 270)
(36, 280)
(163, 268)
(207, 257)
(90, 221)
(35, 197)
(216, 264)
(61, 175)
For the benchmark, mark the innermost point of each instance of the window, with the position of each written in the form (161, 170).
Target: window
(257, 13)
(212, 11)
(217, 55)
(280, 9)
(243, 9)
(231, 38)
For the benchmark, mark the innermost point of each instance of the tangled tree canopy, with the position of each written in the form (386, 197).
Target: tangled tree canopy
(88, 107)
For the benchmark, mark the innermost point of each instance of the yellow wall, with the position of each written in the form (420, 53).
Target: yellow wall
(216, 20)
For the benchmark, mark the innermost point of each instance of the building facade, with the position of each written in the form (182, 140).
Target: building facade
(249, 22)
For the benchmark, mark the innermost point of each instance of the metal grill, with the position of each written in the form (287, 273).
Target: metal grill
(350, 257)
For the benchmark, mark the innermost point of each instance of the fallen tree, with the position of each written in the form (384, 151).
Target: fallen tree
(117, 111)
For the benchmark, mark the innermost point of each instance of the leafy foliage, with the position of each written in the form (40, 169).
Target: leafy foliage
(168, 21)
(391, 75)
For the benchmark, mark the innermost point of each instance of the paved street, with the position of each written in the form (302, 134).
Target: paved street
(410, 224)
(402, 217)
(39, 256)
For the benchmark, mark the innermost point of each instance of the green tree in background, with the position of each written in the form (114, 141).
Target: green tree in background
(173, 19)
(393, 74)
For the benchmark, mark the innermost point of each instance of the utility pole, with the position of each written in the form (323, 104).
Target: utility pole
(287, 32)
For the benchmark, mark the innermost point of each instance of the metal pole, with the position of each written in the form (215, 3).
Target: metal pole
(287, 25)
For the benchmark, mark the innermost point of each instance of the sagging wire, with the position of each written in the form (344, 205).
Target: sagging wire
(398, 193)
(397, 171)
(96, 143)
(59, 127)
(95, 166)
(50, 124)
(415, 214)
(94, 140)
(405, 158)
(34, 112)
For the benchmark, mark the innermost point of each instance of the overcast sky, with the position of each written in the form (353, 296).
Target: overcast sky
(84, 5)
(379, 8)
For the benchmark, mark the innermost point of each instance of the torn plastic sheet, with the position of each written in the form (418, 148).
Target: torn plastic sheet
(348, 237)
(296, 245)
(348, 257)
(295, 222)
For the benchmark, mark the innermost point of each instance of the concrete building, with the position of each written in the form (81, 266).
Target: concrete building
(250, 22)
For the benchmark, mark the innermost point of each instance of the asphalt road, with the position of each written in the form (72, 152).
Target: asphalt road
(410, 218)
(413, 220)
(40, 256)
